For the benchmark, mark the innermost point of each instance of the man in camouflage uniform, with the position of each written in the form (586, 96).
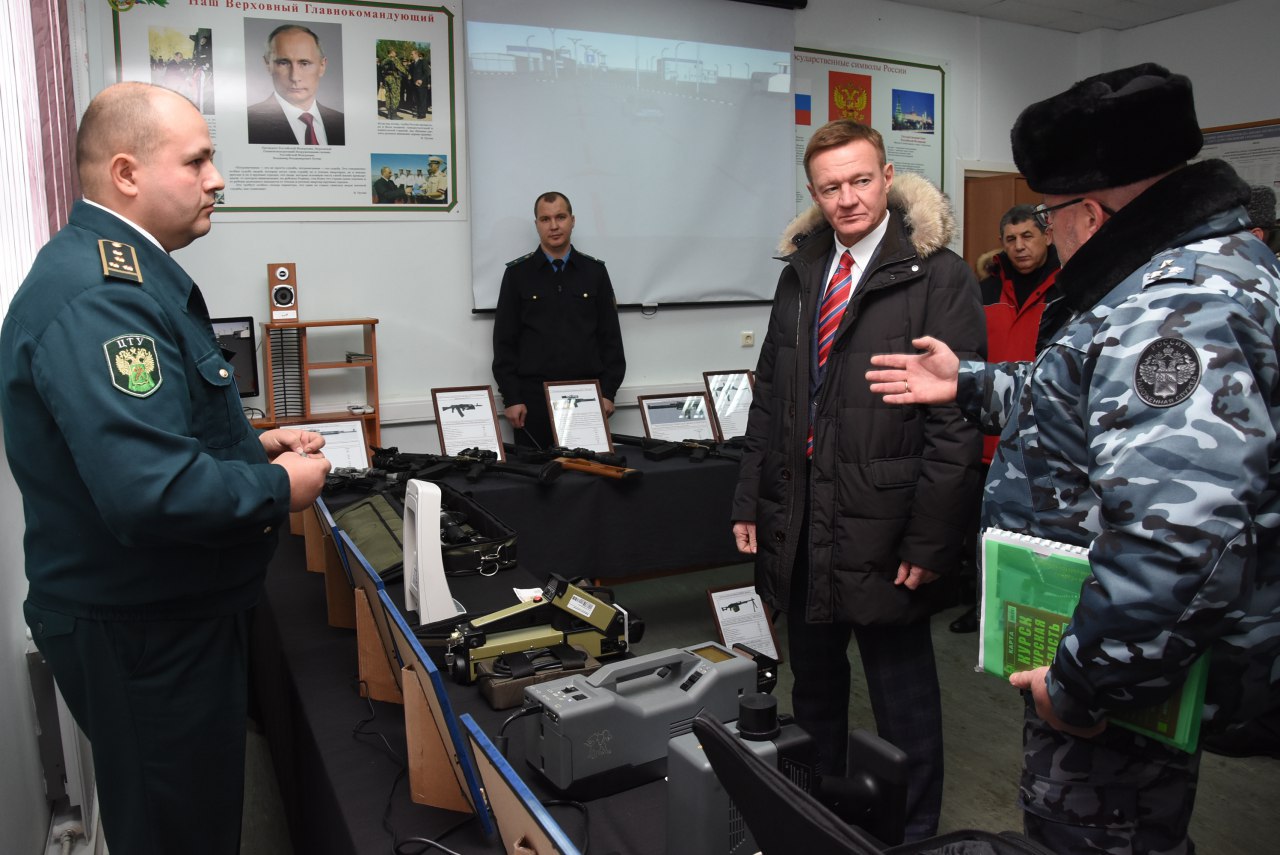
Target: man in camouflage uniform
(1146, 429)
(393, 76)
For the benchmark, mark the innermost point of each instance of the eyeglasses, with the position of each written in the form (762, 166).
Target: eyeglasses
(1043, 220)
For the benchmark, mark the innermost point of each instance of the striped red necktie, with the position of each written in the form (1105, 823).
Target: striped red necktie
(829, 315)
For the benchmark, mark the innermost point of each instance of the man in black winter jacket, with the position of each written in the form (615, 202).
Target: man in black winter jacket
(853, 508)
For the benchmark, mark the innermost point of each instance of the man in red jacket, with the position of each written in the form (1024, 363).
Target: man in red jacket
(1014, 299)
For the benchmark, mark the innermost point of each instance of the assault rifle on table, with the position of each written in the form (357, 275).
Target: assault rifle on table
(473, 461)
(600, 463)
(460, 409)
(696, 450)
(347, 478)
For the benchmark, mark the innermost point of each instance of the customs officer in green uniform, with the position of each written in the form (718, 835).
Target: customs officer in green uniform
(151, 505)
(557, 319)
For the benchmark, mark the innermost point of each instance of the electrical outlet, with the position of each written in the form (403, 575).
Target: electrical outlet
(748, 338)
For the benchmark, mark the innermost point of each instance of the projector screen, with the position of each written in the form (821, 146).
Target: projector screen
(669, 125)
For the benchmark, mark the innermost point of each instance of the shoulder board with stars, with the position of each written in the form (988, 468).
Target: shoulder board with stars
(1170, 269)
(580, 254)
(513, 262)
(119, 261)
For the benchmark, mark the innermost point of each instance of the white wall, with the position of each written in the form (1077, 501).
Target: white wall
(1230, 54)
(415, 277)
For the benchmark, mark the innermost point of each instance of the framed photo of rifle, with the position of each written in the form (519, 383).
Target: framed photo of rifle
(467, 418)
(577, 416)
(685, 415)
(743, 618)
(730, 394)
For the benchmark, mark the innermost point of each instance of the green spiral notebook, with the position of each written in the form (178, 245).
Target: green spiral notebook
(1030, 588)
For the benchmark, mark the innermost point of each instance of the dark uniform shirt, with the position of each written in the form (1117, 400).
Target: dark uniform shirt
(145, 489)
(556, 326)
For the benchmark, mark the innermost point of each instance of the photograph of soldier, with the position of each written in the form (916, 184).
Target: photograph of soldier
(435, 189)
(403, 79)
(202, 70)
(183, 62)
(392, 75)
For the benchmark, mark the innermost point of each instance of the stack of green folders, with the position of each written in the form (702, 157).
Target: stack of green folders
(1030, 588)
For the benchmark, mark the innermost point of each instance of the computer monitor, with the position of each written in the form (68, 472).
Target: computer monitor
(240, 345)
(522, 819)
(442, 743)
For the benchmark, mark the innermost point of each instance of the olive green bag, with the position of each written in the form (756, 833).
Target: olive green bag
(377, 530)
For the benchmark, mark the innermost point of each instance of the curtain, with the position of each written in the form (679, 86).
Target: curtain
(52, 43)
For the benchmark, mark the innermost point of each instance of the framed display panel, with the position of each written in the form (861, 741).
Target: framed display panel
(730, 394)
(434, 738)
(523, 822)
(577, 416)
(466, 417)
(686, 415)
(743, 618)
(344, 442)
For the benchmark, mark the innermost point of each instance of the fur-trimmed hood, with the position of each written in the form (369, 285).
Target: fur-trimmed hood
(925, 210)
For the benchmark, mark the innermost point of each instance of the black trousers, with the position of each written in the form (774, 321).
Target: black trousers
(902, 684)
(164, 704)
(537, 431)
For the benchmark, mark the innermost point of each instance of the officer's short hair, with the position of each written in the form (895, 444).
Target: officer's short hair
(1262, 208)
(120, 119)
(1019, 214)
(550, 197)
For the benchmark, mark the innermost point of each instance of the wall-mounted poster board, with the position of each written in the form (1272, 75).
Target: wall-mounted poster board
(903, 100)
(375, 80)
(1252, 149)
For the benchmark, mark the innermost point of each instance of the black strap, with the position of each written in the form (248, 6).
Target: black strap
(519, 665)
(571, 658)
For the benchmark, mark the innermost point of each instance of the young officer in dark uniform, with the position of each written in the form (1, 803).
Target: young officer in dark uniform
(557, 320)
(151, 505)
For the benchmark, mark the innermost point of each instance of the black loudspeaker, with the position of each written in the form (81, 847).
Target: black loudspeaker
(282, 291)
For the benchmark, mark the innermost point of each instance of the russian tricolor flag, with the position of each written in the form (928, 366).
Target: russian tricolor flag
(804, 109)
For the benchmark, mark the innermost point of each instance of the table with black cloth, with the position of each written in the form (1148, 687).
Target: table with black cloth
(336, 786)
(676, 516)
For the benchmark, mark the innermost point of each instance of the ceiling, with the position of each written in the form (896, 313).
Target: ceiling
(1072, 16)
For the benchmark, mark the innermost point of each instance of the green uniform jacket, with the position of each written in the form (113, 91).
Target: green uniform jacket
(146, 492)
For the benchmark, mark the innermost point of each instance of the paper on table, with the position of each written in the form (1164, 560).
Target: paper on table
(344, 444)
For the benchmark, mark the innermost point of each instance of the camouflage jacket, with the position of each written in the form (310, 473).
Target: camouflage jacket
(1147, 427)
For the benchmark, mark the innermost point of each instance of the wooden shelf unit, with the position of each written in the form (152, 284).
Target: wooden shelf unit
(286, 360)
